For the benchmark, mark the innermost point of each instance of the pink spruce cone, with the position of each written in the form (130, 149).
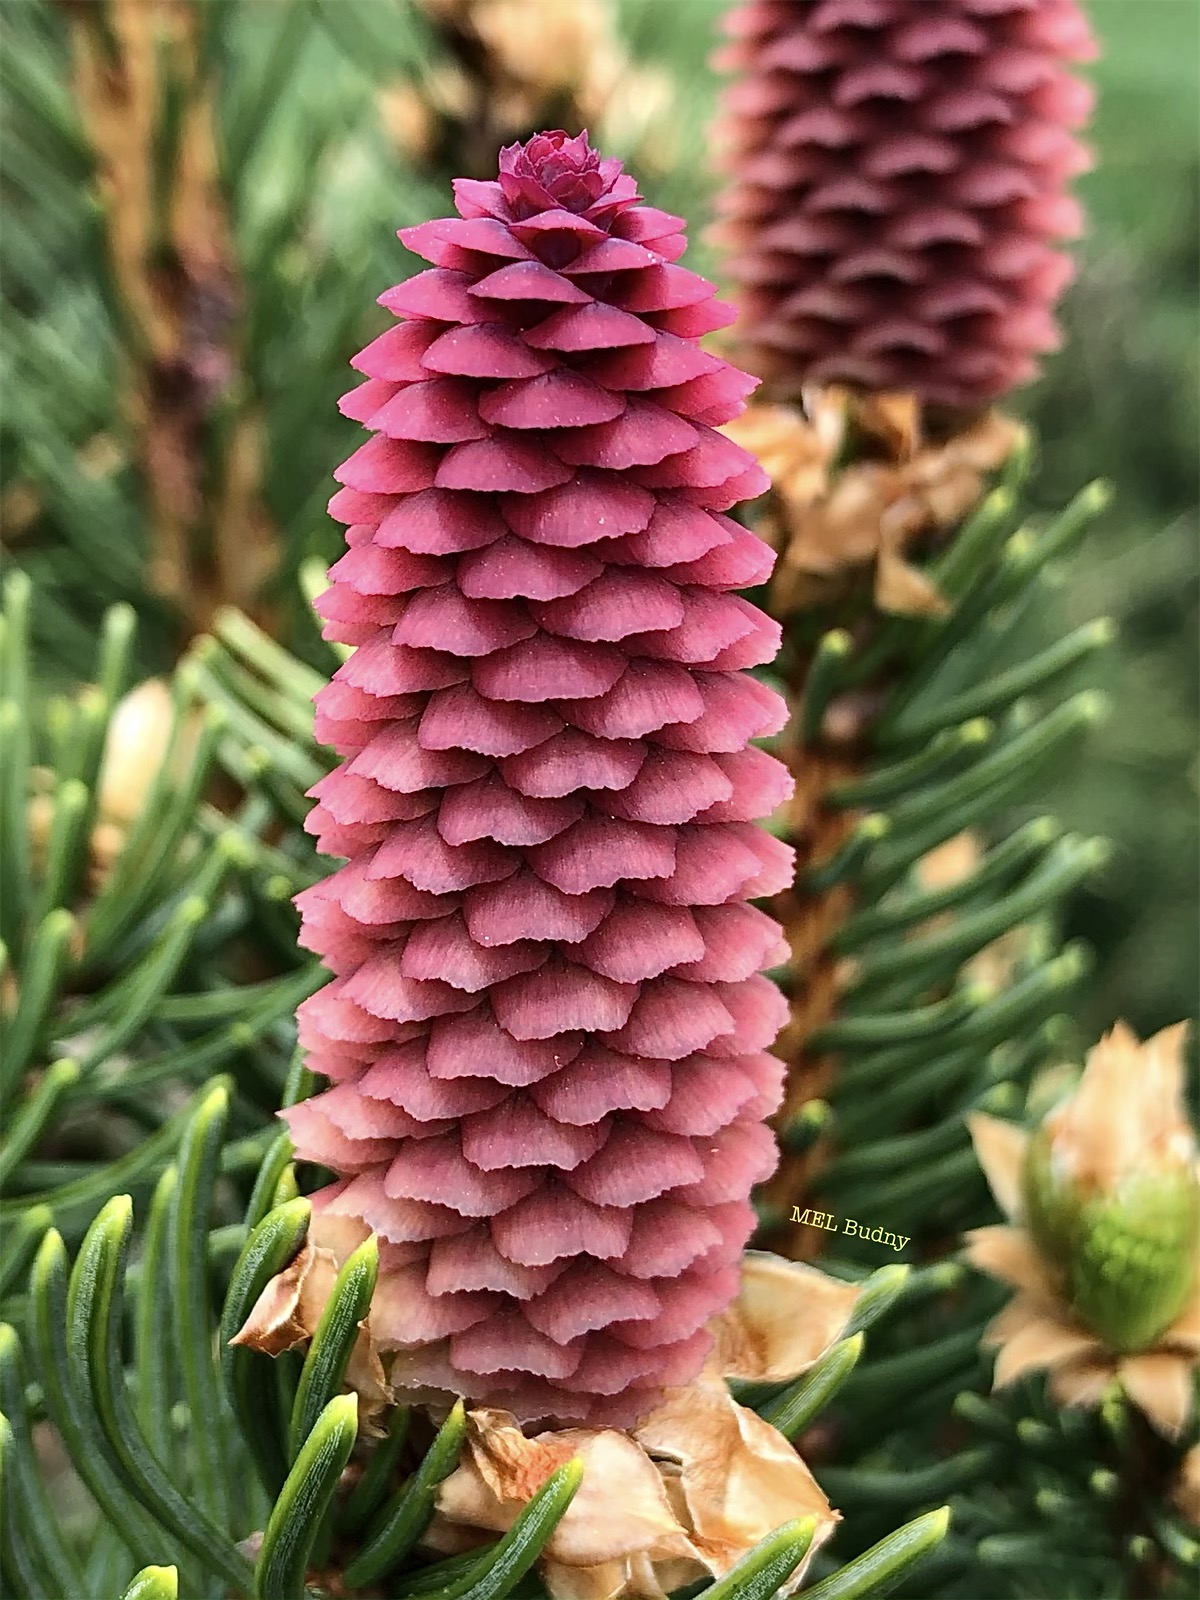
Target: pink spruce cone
(546, 1032)
(898, 178)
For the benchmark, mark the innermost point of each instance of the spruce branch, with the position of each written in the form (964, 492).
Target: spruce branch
(117, 912)
(314, 1540)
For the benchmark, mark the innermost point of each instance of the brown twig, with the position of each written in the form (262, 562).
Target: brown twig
(146, 100)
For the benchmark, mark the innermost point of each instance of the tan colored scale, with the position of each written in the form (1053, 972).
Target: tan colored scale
(504, 69)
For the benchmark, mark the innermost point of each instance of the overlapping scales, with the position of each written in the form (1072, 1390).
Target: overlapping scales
(547, 1033)
(898, 179)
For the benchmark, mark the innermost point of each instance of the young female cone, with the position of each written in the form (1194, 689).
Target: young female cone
(898, 190)
(546, 1032)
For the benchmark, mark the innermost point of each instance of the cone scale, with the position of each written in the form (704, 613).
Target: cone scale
(546, 1032)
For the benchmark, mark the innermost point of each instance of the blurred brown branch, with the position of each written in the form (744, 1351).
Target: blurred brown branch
(145, 98)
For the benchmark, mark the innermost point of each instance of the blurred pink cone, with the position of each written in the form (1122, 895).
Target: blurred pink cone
(898, 180)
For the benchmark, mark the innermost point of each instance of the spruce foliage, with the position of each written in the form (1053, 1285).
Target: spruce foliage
(167, 438)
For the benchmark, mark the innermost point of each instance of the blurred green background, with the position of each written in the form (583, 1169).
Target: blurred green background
(335, 122)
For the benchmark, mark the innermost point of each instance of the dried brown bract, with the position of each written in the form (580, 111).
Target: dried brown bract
(833, 521)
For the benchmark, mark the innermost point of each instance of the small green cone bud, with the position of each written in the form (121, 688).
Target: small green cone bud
(1128, 1259)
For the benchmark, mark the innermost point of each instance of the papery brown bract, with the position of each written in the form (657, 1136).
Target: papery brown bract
(546, 1034)
(699, 1483)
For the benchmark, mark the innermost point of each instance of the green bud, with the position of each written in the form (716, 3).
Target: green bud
(1126, 1259)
